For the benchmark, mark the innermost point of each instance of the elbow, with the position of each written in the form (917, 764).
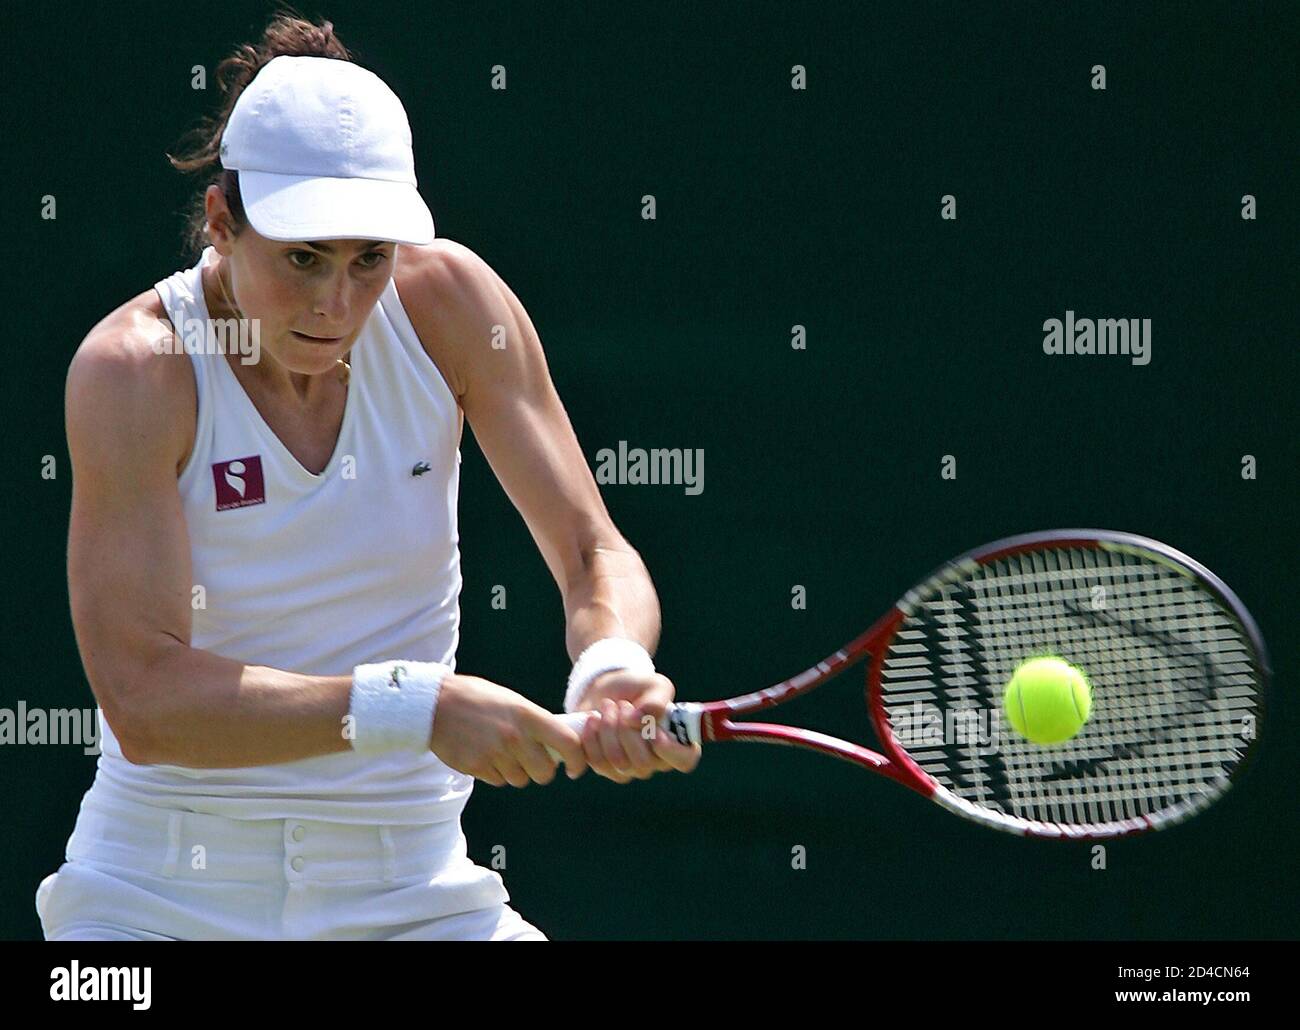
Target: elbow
(595, 550)
(125, 710)
(135, 747)
(129, 730)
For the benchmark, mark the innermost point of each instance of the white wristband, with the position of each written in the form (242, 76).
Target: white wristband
(604, 656)
(393, 704)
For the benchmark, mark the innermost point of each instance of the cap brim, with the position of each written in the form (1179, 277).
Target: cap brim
(296, 207)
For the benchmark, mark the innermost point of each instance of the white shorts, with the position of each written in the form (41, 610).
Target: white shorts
(136, 872)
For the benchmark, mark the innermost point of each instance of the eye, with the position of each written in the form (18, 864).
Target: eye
(301, 253)
(379, 256)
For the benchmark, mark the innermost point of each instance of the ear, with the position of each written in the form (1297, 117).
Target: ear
(220, 222)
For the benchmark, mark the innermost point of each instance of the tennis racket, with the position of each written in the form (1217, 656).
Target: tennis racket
(1177, 666)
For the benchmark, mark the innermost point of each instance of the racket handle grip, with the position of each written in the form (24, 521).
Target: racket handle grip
(682, 721)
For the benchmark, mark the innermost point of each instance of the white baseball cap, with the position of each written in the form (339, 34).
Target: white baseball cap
(323, 151)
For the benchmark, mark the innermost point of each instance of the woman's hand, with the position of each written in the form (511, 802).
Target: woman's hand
(624, 741)
(495, 735)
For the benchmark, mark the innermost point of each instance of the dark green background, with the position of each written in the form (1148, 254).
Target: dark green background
(822, 467)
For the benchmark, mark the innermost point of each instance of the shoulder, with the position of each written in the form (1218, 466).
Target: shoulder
(453, 298)
(442, 270)
(128, 382)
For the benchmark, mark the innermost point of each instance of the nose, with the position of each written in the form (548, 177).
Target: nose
(333, 304)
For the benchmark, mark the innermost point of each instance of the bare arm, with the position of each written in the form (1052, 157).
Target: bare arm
(459, 305)
(130, 580)
(526, 435)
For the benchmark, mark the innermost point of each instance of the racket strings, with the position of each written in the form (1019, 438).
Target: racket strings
(1140, 723)
(1175, 686)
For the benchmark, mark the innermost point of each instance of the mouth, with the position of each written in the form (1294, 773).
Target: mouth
(315, 339)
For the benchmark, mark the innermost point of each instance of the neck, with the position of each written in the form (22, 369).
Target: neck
(216, 293)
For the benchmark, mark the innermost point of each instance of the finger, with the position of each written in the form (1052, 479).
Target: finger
(644, 763)
(658, 738)
(591, 747)
(679, 757)
(593, 737)
(564, 741)
(490, 776)
(510, 770)
(610, 743)
(663, 743)
(533, 759)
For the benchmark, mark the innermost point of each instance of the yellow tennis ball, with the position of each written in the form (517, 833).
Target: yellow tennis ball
(1048, 700)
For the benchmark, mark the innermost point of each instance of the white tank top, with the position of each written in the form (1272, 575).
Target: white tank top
(319, 573)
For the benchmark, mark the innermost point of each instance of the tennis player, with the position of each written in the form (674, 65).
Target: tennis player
(263, 560)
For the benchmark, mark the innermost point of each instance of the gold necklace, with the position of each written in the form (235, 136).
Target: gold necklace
(342, 367)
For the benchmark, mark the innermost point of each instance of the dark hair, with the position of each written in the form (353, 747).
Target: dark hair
(287, 34)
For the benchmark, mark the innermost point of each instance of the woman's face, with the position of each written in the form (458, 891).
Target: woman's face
(310, 299)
